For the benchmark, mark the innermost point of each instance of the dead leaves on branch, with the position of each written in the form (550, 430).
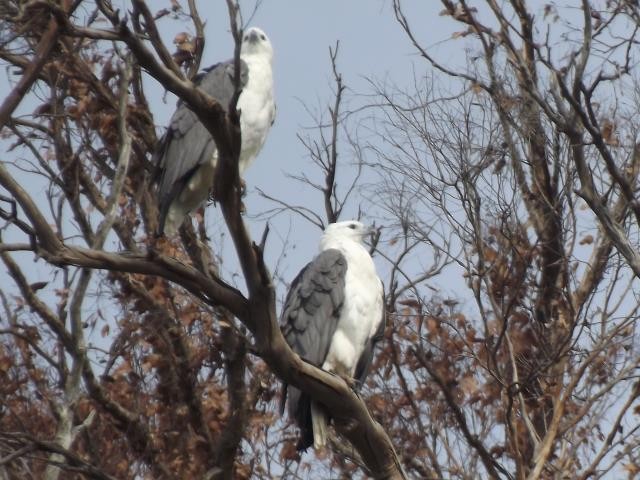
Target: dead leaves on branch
(608, 130)
(448, 365)
(146, 378)
(186, 47)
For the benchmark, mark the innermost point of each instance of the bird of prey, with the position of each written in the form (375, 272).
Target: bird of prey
(187, 155)
(333, 316)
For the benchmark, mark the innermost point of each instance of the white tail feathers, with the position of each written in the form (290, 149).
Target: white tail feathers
(319, 424)
(174, 219)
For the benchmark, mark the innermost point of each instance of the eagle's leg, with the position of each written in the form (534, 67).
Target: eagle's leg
(349, 380)
(345, 374)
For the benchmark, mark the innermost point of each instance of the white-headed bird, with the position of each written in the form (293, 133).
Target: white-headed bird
(333, 317)
(187, 155)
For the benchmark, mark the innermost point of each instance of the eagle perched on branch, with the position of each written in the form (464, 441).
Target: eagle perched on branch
(187, 155)
(333, 316)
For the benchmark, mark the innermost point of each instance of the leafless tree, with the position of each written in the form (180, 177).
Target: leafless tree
(522, 171)
(173, 392)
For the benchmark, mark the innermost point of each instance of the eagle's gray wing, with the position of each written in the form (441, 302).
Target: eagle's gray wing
(312, 308)
(187, 144)
(309, 319)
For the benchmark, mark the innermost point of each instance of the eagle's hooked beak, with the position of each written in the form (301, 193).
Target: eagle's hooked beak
(253, 36)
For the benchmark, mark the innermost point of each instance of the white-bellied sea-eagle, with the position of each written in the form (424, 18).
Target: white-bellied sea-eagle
(187, 156)
(332, 317)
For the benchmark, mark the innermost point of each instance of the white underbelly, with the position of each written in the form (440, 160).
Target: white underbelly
(359, 320)
(255, 121)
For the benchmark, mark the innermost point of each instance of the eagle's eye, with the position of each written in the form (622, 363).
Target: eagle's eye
(263, 37)
(352, 226)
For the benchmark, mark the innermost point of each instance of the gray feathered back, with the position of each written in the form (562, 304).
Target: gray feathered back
(187, 144)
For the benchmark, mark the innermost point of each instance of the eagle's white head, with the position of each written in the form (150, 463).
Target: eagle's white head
(256, 42)
(341, 231)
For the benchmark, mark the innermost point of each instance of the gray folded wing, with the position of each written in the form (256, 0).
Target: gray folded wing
(312, 308)
(187, 144)
(309, 320)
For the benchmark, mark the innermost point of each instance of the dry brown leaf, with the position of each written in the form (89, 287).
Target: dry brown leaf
(587, 240)
(410, 302)
(608, 131)
(432, 324)
(632, 470)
